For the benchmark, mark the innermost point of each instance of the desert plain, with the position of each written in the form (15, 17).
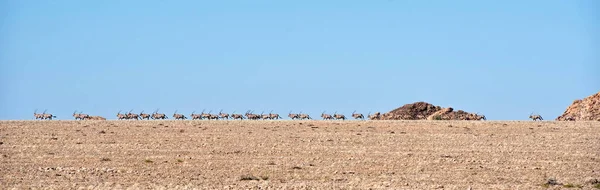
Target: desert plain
(168, 154)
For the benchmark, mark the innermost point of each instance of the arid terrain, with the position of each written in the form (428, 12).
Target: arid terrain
(299, 154)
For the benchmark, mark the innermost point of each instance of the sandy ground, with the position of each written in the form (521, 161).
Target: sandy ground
(298, 154)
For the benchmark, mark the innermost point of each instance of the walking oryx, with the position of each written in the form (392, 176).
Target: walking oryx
(47, 116)
(157, 115)
(265, 116)
(144, 115)
(339, 116)
(195, 116)
(358, 115)
(293, 115)
(304, 116)
(178, 116)
(235, 116)
(80, 115)
(535, 117)
(211, 116)
(223, 115)
(38, 115)
(205, 115)
(121, 116)
(375, 116)
(274, 115)
(131, 115)
(252, 116)
(326, 116)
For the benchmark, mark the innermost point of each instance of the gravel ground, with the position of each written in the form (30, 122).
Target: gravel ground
(299, 154)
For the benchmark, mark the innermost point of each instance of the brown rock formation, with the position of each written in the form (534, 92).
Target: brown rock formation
(587, 109)
(424, 110)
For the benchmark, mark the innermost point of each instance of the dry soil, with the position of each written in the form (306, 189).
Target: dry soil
(298, 154)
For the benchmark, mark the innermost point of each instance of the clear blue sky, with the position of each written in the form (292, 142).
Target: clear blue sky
(504, 59)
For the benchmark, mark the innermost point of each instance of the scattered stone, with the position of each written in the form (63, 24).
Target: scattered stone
(592, 181)
(248, 177)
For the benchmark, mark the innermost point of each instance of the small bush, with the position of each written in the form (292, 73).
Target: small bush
(148, 161)
(568, 185)
(437, 117)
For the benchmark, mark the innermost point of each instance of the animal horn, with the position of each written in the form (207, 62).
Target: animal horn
(354, 112)
(34, 111)
(45, 111)
(193, 112)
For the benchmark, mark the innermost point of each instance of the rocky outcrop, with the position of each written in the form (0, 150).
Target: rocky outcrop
(587, 109)
(427, 111)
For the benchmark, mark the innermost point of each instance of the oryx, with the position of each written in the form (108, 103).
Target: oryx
(375, 116)
(47, 115)
(293, 115)
(535, 117)
(157, 115)
(274, 115)
(144, 115)
(304, 116)
(326, 116)
(235, 116)
(179, 116)
(339, 116)
(195, 116)
(121, 116)
(357, 115)
(223, 115)
(131, 115)
(38, 115)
